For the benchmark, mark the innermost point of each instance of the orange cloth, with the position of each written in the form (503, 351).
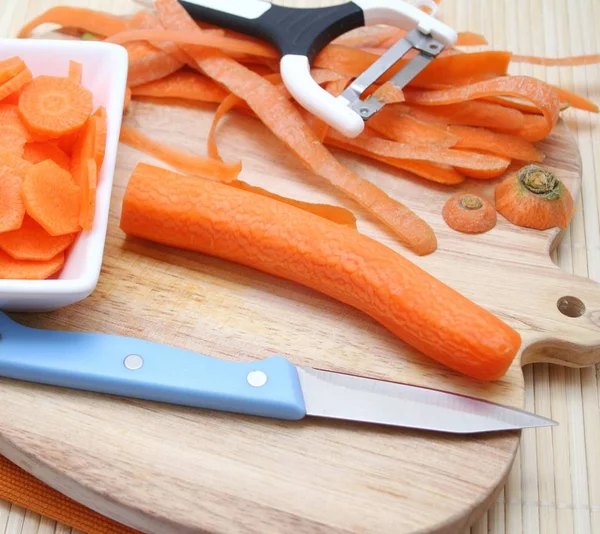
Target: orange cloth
(23, 489)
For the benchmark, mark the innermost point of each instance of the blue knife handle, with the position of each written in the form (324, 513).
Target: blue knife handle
(97, 362)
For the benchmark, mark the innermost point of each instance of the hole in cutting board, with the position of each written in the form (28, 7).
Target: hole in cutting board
(570, 306)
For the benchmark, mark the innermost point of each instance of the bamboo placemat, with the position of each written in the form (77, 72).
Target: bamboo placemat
(554, 486)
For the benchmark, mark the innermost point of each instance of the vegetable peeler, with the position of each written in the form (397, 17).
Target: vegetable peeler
(299, 34)
(273, 387)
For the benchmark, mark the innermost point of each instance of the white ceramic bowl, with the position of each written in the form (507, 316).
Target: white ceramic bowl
(105, 75)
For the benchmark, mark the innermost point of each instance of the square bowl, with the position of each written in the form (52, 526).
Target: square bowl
(105, 75)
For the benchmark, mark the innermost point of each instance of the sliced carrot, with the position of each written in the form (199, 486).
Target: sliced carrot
(282, 118)
(54, 106)
(148, 63)
(197, 38)
(127, 99)
(67, 142)
(404, 128)
(333, 213)
(470, 113)
(100, 112)
(11, 269)
(84, 149)
(10, 67)
(88, 194)
(181, 211)
(51, 198)
(86, 20)
(470, 163)
(185, 84)
(75, 71)
(374, 36)
(14, 161)
(31, 242)
(534, 128)
(575, 100)
(15, 84)
(471, 39)
(573, 61)
(36, 152)
(509, 146)
(464, 39)
(469, 213)
(12, 209)
(101, 136)
(178, 159)
(388, 93)
(13, 134)
(535, 91)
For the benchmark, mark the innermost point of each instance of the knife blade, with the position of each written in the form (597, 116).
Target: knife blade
(273, 387)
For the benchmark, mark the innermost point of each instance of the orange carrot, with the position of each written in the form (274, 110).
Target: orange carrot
(228, 103)
(84, 149)
(537, 92)
(31, 242)
(54, 106)
(86, 20)
(575, 100)
(9, 68)
(36, 152)
(88, 194)
(535, 198)
(147, 63)
(75, 71)
(509, 146)
(211, 40)
(15, 84)
(534, 128)
(51, 198)
(185, 84)
(127, 99)
(469, 213)
(11, 269)
(15, 162)
(573, 61)
(183, 161)
(404, 128)
(12, 209)
(469, 163)
(471, 39)
(13, 133)
(282, 118)
(388, 93)
(67, 142)
(101, 134)
(287, 242)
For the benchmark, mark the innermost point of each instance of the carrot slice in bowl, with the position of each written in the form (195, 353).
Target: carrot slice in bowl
(89, 180)
(10, 67)
(51, 198)
(54, 106)
(31, 242)
(36, 152)
(11, 269)
(12, 208)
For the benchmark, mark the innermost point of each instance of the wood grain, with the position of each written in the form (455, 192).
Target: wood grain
(147, 464)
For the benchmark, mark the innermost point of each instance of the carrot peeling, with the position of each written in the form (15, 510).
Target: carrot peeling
(178, 159)
(281, 240)
(469, 213)
(283, 119)
(12, 208)
(534, 198)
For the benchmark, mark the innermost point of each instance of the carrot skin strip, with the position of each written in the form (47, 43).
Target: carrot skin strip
(184, 84)
(573, 61)
(283, 241)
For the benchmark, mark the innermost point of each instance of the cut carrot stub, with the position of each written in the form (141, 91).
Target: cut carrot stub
(84, 149)
(88, 194)
(335, 214)
(12, 208)
(185, 84)
(36, 152)
(10, 67)
(183, 161)
(284, 120)
(12, 269)
(441, 174)
(31, 242)
(75, 71)
(271, 236)
(15, 84)
(508, 146)
(407, 129)
(54, 106)
(534, 198)
(51, 198)
(86, 20)
(469, 213)
(535, 91)
(470, 163)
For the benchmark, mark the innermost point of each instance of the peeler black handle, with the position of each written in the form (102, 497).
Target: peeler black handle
(299, 31)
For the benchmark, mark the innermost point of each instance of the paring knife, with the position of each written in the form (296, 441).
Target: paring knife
(272, 388)
(299, 34)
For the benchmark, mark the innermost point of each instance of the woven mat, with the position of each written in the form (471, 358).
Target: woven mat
(554, 487)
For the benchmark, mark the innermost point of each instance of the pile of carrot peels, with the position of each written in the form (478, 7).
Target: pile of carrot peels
(463, 118)
(53, 144)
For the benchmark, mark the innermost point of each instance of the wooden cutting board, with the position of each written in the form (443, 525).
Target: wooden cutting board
(165, 469)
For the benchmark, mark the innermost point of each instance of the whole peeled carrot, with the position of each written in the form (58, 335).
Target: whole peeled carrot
(279, 239)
